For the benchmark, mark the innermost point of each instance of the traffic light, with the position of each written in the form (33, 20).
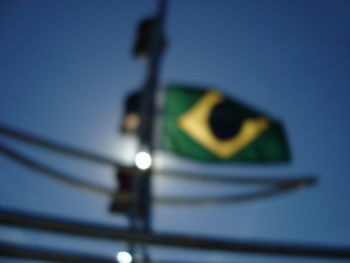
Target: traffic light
(131, 118)
(124, 200)
(142, 44)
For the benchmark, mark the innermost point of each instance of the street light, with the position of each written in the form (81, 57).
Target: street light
(124, 257)
(143, 160)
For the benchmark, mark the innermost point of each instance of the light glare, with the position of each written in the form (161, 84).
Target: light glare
(143, 160)
(124, 257)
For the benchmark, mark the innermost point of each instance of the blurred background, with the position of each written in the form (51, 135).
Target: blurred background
(66, 68)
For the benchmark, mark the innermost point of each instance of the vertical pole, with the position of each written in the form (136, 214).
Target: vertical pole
(149, 95)
(142, 180)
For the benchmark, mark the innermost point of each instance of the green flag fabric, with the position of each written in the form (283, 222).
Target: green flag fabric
(204, 125)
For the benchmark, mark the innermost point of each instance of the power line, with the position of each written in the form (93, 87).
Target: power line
(54, 174)
(63, 226)
(53, 146)
(12, 250)
(31, 252)
(177, 201)
(238, 179)
(229, 199)
(234, 179)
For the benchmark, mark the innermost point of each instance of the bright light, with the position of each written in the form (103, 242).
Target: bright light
(124, 257)
(143, 160)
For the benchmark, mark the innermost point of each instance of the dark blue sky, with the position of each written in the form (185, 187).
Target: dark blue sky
(66, 67)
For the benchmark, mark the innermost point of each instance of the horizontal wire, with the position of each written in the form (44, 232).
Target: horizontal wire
(93, 230)
(9, 249)
(31, 252)
(178, 201)
(15, 134)
(237, 179)
(228, 199)
(54, 174)
(53, 146)
(291, 183)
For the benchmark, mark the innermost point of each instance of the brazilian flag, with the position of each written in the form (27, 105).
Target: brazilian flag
(204, 125)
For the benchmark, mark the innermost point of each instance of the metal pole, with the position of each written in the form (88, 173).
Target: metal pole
(149, 94)
(142, 185)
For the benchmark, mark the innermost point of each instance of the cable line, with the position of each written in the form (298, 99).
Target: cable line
(31, 252)
(24, 137)
(228, 199)
(52, 173)
(9, 249)
(93, 230)
(178, 201)
(53, 146)
(236, 179)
